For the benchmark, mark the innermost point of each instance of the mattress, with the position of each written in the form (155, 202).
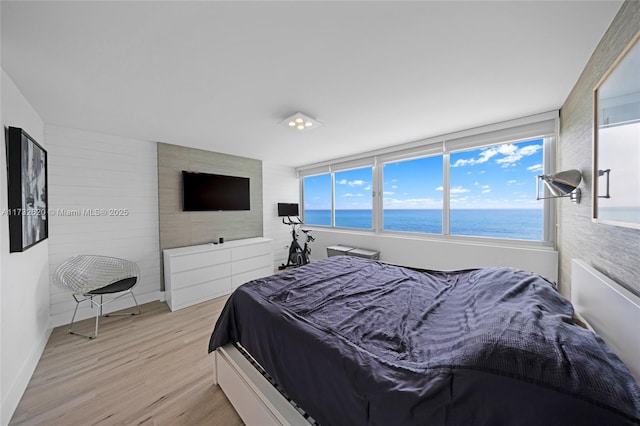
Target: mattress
(359, 342)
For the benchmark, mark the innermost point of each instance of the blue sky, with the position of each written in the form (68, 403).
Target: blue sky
(501, 176)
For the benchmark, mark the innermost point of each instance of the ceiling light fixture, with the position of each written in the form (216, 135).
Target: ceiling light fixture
(300, 122)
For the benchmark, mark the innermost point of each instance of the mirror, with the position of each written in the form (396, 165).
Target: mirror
(616, 149)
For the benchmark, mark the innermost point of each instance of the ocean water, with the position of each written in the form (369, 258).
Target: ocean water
(620, 214)
(523, 224)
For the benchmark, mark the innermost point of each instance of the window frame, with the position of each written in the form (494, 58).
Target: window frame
(542, 126)
(333, 200)
(391, 160)
(332, 195)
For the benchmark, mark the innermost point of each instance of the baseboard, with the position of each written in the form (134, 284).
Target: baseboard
(19, 385)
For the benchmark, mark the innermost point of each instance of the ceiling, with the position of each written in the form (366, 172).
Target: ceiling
(221, 75)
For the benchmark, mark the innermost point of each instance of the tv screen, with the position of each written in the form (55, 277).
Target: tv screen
(207, 192)
(288, 209)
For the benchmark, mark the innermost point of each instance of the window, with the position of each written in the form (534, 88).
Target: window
(492, 191)
(412, 195)
(353, 198)
(475, 183)
(317, 200)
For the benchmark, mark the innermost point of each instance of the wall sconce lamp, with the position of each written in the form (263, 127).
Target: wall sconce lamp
(563, 184)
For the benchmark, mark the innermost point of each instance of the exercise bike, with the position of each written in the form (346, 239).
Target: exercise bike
(298, 255)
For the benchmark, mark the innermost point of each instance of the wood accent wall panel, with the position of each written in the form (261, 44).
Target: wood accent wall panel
(612, 250)
(178, 228)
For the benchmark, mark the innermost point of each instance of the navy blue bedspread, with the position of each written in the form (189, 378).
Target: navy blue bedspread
(359, 342)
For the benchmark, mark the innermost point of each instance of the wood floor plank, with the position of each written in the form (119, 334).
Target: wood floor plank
(151, 369)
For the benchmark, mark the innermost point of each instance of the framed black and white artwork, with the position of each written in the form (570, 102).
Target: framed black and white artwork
(27, 190)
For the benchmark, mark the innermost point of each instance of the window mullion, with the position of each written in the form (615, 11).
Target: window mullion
(333, 199)
(549, 206)
(378, 200)
(446, 198)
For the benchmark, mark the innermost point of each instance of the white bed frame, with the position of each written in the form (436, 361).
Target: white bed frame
(254, 397)
(609, 309)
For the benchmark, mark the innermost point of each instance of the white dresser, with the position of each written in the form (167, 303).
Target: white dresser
(197, 273)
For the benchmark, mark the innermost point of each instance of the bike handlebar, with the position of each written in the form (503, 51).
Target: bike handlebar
(291, 222)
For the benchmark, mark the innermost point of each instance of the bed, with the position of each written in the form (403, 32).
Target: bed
(353, 341)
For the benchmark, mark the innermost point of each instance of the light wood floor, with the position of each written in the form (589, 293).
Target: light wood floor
(149, 369)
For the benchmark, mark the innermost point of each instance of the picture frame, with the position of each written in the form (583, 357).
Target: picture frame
(616, 141)
(27, 190)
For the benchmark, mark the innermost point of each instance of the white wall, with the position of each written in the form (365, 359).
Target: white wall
(94, 171)
(24, 277)
(279, 185)
(441, 254)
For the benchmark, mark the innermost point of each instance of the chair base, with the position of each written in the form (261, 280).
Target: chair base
(98, 305)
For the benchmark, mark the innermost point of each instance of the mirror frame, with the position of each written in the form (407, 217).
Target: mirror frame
(596, 193)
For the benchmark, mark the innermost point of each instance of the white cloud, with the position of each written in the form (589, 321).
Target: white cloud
(515, 155)
(459, 190)
(462, 162)
(508, 154)
(507, 149)
(535, 168)
(358, 182)
(530, 149)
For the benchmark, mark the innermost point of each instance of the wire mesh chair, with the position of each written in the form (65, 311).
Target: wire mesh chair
(89, 276)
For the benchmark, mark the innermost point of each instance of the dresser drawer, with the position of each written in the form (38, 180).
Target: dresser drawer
(185, 262)
(197, 273)
(238, 279)
(196, 276)
(245, 265)
(181, 298)
(253, 250)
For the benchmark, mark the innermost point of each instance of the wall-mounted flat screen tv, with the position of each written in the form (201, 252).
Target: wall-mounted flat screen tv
(211, 192)
(288, 209)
